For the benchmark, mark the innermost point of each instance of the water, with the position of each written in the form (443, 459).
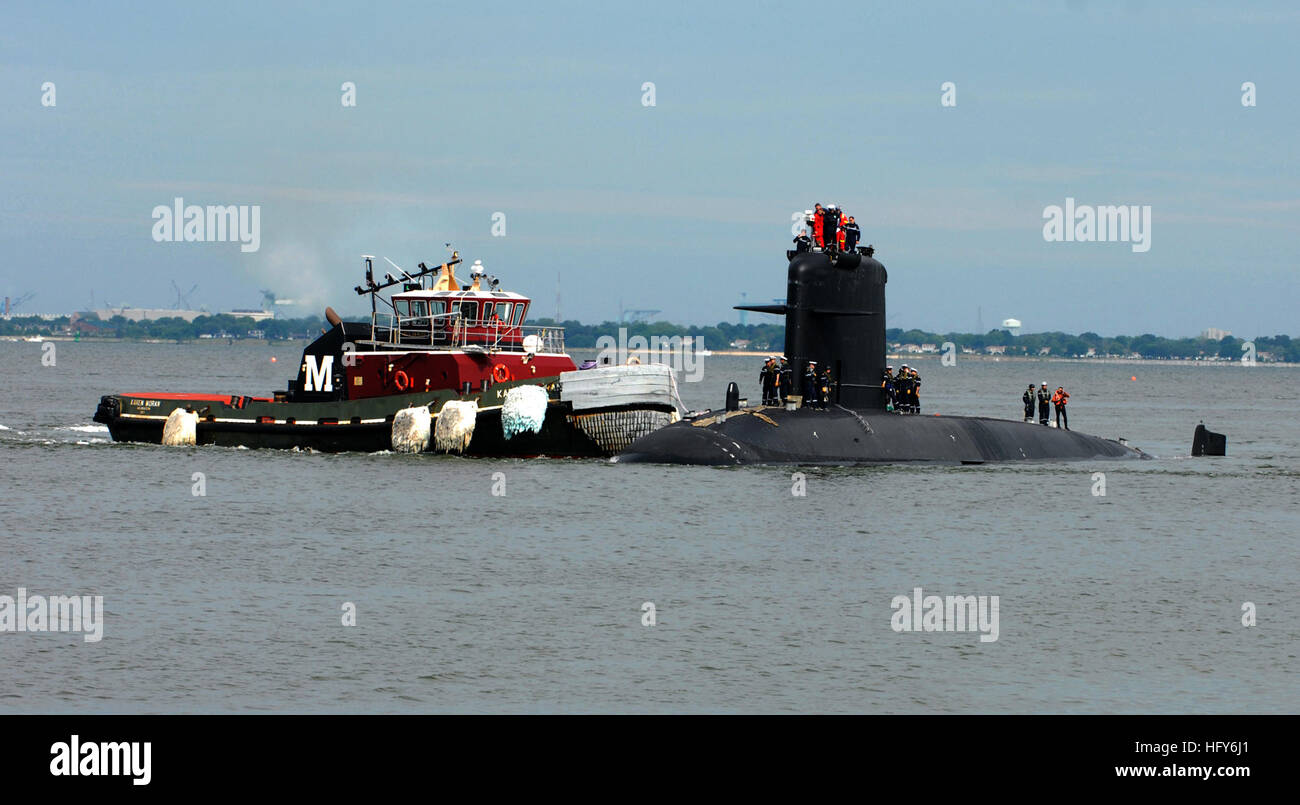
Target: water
(231, 602)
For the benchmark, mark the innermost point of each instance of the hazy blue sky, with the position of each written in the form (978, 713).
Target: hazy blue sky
(535, 110)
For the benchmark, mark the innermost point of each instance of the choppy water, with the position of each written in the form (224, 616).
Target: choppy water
(765, 601)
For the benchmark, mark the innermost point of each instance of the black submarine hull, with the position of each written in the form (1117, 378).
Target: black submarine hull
(837, 435)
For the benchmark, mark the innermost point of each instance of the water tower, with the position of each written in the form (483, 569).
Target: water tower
(1012, 326)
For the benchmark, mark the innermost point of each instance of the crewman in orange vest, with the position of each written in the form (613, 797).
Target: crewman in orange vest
(1059, 399)
(819, 220)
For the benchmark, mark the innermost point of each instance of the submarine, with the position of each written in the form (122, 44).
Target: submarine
(835, 316)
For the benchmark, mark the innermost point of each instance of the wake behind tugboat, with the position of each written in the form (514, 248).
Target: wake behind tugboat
(451, 368)
(835, 318)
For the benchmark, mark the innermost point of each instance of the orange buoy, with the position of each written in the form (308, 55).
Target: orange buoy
(1134, 377)
(272, 359)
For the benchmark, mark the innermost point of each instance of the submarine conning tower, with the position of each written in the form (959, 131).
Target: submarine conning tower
(835, 314)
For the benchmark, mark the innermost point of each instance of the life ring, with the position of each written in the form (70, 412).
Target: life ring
(501, 373)
(401, 380)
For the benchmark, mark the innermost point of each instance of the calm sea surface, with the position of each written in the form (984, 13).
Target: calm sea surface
(465, 601)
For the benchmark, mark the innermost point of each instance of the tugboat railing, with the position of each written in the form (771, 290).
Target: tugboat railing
(453, 331)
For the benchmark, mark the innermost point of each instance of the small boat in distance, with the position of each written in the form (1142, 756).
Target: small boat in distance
(446, 368)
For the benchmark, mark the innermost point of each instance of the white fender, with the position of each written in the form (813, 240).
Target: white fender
(181, 428)
(455, 426)
(411, 429)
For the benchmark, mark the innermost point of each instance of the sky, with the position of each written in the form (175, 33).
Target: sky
(538, 112)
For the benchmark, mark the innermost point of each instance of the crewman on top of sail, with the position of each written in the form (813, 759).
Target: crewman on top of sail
(1059, 399)
(1044, 400)
(819, 222)
(852, 233)
(831, 225)
(802, 243)
(1028, 399)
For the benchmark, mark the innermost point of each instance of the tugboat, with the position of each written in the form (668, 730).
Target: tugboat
(447, 368)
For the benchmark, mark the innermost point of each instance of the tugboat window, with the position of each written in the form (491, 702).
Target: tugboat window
(403, 307)
(520, 310)
(419, 309)
(503, 312)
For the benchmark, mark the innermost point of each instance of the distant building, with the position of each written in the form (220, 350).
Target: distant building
(996, 350)
(909, 348)
(1045, 351)
(929, 348)
(255, 315)
(1215, 334)
(148, 313)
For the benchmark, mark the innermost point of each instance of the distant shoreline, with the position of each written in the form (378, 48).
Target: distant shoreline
(892, 356)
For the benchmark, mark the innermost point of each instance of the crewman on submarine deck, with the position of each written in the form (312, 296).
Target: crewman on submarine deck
(810, 385)
(768, 378)
(1044, 400)
(1059, 399)
(887, 383)
(1028, 398)
(824, 386)
(903, 389)
(784, 379)
(916, 392)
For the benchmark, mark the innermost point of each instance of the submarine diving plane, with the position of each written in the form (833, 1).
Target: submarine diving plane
(835, 315)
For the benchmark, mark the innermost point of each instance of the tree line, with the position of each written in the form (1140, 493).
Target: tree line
(723, 335)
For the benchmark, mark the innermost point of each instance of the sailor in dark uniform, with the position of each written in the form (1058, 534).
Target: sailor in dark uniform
(916, 392)
(1044, 403)
(784, 378)
(802, 243)
(903, 389)
(1028, 399)
(810, 384)
(852, 233)
(831, 226)
(887, 383)
(767, 377)
(824, 386)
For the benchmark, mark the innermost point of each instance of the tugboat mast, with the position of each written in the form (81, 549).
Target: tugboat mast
(373, 288)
